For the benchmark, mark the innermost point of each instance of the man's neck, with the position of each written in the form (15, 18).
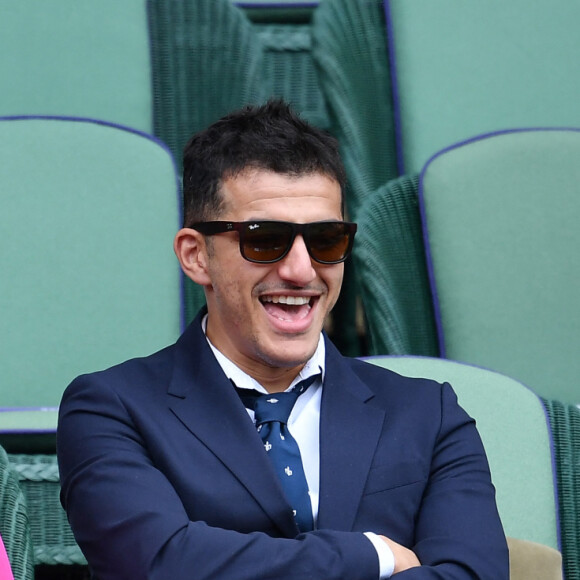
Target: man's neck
(277, 380)
(273, 379)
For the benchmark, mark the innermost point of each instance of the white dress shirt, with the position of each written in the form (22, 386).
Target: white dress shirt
(304, 425)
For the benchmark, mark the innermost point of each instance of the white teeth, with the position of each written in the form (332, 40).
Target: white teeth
(292, 300)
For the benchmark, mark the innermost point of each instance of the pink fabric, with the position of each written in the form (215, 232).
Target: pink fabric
(5, 570)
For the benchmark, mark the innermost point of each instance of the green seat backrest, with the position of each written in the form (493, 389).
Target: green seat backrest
(86, 59)
(14, 523)
(501, 217)
(389, 256)
(512, 423)
(467, 68)
(350, 50)
(89, 278)
(289, 69)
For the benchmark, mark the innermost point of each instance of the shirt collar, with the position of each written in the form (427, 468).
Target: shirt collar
(314, 366)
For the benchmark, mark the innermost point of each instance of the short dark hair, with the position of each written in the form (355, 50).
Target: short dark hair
(269, 137)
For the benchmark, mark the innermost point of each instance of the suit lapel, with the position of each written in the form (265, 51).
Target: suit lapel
(204, 401)
(349, 432)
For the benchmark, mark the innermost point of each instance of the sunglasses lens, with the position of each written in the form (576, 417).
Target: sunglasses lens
(266, 241)
(329, 242)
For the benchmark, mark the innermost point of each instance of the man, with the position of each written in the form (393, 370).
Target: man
(166, 472)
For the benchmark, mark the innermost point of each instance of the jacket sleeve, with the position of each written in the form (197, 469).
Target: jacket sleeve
(458, 532)
(131, 524)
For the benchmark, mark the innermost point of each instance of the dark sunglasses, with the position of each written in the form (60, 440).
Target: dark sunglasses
(265, 242)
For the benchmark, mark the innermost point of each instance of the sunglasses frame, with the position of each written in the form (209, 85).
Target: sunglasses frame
(219, 227)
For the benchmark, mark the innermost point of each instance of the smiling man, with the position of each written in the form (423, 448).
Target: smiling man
(267, 317)
(251, 449)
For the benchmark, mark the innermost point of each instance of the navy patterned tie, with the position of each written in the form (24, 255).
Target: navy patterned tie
(272, 412)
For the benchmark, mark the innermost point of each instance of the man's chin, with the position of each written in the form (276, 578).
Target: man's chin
(289, 353)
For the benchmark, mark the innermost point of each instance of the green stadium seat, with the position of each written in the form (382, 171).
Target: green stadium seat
(14, 524)
(89, 211)
(389, 256)
(467, 68)
(501, 216)
(515, 432)
(350, 51)
(88, 59)
(349, 48)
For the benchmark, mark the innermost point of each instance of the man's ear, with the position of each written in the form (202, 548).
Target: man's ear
(191, 251)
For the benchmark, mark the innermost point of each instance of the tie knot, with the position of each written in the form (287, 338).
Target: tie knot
(275, 407)
(278, 406)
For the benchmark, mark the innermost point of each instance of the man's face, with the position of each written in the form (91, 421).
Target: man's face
(250, 318)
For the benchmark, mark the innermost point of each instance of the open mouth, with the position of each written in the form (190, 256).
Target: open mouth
(288, 308)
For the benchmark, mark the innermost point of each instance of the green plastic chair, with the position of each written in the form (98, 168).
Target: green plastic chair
(14, 524)
(467, 68)
(514, 429)
(88, 59)
(89, 211)
(501, 216)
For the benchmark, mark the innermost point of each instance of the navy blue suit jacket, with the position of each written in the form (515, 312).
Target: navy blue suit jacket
(165, 477)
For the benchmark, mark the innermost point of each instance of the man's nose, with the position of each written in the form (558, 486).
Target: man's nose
(296, 266)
